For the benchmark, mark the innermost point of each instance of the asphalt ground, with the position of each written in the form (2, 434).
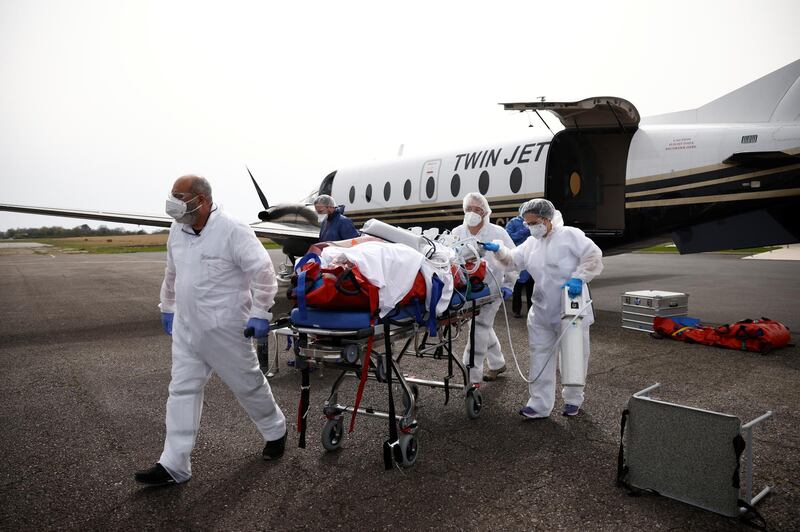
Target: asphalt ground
(84, 369)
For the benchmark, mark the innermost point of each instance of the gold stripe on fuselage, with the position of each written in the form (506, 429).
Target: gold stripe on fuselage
(691, 171)
(740, 196)
(700, 184)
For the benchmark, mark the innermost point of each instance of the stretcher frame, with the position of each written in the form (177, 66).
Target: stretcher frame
(345, 350)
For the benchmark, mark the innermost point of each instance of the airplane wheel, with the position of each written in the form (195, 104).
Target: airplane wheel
(333, 434)
(409, 448)
(474, 403)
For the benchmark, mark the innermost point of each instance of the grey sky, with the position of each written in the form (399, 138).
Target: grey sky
(103, 103)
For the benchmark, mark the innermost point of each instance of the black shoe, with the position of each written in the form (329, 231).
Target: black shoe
(155, 476)
(274, 449)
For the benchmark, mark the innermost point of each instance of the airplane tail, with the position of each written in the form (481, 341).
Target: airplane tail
(772, 98)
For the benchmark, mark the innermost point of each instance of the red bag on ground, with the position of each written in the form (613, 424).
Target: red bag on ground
(760, 336)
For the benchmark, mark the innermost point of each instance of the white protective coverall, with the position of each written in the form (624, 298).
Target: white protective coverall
(566, 252)
(213, 283)
(497, 276)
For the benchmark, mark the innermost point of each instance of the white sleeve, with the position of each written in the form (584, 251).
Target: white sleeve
(510, 275)
(253, 259)
(168, 285)
(591, 258)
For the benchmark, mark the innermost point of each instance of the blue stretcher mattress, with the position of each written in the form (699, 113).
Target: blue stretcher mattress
(359, 319)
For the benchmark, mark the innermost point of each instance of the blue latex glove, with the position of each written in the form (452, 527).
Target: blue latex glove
(260, 327)
(166, 321)
(575, 287)
(507, 293)
(490, 246)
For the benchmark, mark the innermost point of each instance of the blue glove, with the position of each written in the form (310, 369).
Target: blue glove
(575, 287)
(507, 293)
(490, 246)
(259, 328)
(166, 321)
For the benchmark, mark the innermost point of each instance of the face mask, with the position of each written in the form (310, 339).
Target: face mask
(472, 219)
(322, 217)
(538, 230)
(178, 210)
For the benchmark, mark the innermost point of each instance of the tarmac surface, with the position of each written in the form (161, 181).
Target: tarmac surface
(84, 369)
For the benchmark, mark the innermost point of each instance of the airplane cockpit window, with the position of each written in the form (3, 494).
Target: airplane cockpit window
(483, 182)
(455, 185)
(326, 187)
(407, 189)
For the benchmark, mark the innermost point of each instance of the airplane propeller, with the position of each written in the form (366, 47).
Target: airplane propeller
(263, 215)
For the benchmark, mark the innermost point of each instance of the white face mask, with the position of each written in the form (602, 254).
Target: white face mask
(177, 209)
(538, 230)
(322, 217)
(472, 219)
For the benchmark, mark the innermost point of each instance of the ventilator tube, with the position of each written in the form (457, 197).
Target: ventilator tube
(570, 359)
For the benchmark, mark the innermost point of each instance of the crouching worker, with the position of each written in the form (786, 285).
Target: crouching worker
(556, 256)
(487, 346)
(218, 275)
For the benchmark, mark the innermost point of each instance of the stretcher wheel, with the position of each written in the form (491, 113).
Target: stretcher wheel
(415, 391)
(474, 403)
(409, 448)
(333, 434)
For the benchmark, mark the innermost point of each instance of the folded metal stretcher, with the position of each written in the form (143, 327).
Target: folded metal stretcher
(351, 342)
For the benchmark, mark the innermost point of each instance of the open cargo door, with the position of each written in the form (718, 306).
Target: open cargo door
(587, 160)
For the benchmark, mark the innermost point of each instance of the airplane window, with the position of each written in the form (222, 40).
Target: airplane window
(430, 187)
(352, 194)
(516, 180)
(455, 185)
(387, 191)
(368, 193)
(407, 189)
(483, 182)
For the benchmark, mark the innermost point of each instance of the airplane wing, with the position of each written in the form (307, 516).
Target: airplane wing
(278, 231)
(119, 217)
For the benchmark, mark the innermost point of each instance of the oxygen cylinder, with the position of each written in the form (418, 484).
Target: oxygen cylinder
(394, 234)
(570, 359)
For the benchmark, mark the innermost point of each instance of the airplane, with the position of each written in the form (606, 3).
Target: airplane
(725, 175)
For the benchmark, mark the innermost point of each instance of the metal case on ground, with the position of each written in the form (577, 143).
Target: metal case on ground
(641, 306)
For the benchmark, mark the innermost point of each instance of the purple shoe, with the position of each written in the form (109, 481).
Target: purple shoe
(570, 410)
(530, 413)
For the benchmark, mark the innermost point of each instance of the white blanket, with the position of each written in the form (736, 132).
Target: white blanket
(390, 267)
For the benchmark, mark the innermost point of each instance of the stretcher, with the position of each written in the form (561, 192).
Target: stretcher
(350, 341)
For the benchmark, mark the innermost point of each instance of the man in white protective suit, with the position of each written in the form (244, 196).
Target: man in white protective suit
(500, 280)
(218, 274)
(556, 256)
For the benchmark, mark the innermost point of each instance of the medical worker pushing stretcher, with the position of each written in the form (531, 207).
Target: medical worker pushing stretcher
(218, 275)
(477, 226)
(556, 257)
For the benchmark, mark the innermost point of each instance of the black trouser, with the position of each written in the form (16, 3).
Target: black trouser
(516, 299)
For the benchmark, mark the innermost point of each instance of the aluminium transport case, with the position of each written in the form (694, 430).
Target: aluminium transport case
(640, 307)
